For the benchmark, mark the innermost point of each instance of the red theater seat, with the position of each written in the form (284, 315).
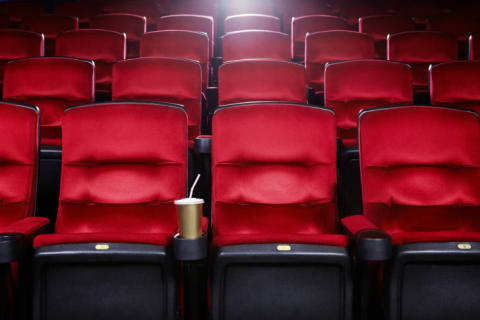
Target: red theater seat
(16, 10)
(151, 10)
(456, 84)
(331, 46)
(134, 26)
(308, 24)
(52, 84)
(461, 27)
(81, 9)
(256, 44)
(300, 8)
(261, 80)
(19, 129)
(50, 25)
(207, 8)
(420, 49)
(353, 10)
(176, 81)
(123, 165)
(104, 47)
(274, 215)
(382, 25)
(189, 22)
(352, 86)
(420, 167)
(19, 44)
(252, 22)
(178, 44)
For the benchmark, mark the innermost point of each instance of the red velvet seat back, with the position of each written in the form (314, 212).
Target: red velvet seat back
(50, 25)
(456, 84)
(274, 170)
(178, 44)
(52, 84)
(474, 47)
(309, 24)
(380, 26)
(261, 80)
(331, 46)
(300, 8)
(420, 49)
(19, 44)
(19, 129)
(82, 10)
(353, 10)
(252, 22)
(159, 79)
(420, 169)
(196, 7)
(104, 47)
(462, 27)
(352, 86)
(256, 44)
(132, 25)
(189, 22)
(151, 10)
(123, 165)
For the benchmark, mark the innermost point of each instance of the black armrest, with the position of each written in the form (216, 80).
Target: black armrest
(373, 245)
(190, 249)
(11, 247)
(203, 144)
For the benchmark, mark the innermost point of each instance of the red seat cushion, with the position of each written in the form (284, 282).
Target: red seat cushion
(321, 239)
(399, 238)
(161, 239)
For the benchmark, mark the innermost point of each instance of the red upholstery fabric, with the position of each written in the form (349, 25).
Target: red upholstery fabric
(19, 131)
(16, 10)
(277, 181)
(161, 239)
(189, 22)
(380, 26)
(132, 25)
(474, 47)
(27, 226)
(299, 8)
(353, 10)
(255, 44)
(104, 47)
(82, 10)
(159, 79)
(119, 180)
(421, 179)
(308, 24)
(420, 49)
(456, 84)
(266, 7)
(252, 22)
(151, 10)
(351, 86)
(19, 44)
(196, 7)
(178, 44)
(400, 238)
(331, 46)
(337, 240)
(420, 11)
(52, 84)
(462, 27)
(261, 80)
(357, 223)
(50, 25)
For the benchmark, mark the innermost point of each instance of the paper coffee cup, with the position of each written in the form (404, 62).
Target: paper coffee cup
(190, 217)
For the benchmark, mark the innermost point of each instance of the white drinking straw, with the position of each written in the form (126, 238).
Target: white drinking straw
(194, 185)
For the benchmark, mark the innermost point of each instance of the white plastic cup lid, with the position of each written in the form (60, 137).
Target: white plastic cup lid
(187, 201)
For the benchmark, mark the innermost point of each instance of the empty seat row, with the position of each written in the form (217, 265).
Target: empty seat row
(274, 218)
